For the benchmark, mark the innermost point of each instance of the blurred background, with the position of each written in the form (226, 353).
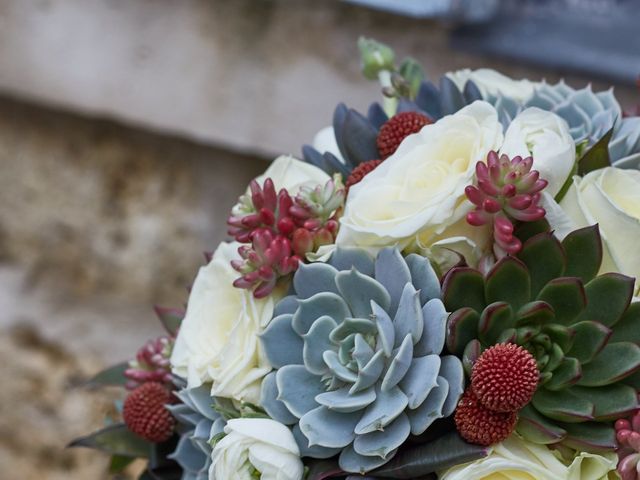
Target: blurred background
(129, 128)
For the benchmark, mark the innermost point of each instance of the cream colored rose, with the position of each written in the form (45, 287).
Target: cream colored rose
(256, 448)
(609, 197)
(516, 459)
(491, 83)
(419, 190)
(291, 173)
(218, 339)
(545, 136)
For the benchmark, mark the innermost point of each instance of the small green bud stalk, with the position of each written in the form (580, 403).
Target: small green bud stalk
(376, 57)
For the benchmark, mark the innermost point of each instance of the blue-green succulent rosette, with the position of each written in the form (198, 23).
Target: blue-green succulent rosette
(358, 357)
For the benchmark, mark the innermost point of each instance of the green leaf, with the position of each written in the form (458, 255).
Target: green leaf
(119, 463)
(535, 313)
(472, 352)
(567, 298)
(463, 287)
(568, 372)
(462, 327)
(590, 437)
(538, 429)
(589, 339)
(412, 72)
(495, 319)
(569, 181)
(171, 318)
(526, 230)
(111, 377)
(545, 258)
(608, 297)
(597, 156)
(611, 402)
(117, 440)
(615, 362)
(438, 455)
(583, 248)
(559, 334)
(508, 281)
(563, 405)
(633, 380)
(628, 328)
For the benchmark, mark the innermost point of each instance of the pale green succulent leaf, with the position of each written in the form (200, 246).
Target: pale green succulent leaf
(362, 351)
(316, 342)
(312, 278)
(321, 304)
(350, 326)
(275, 408)
(351, 461)
(430, 410)
(346, 258)
(423, 277)
(399, 364)
(280, 332)
(297, 388)
(342, 401)
(312, 451)
(337, 368)
(328, 428)
(387, 407)
(451, 369)
(434, 332)
(370, 374)
(420, 379)
(386, 330)
(408, 318)
(393, 273)
(359, 290)
(382, 442)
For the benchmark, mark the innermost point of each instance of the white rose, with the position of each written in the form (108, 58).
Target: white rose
(218, 339)
(290, 173)
(609, 197)
(492, 83)
(517, 459)
(545, 136)
(325, 141)
(419, 190)
(256, 445)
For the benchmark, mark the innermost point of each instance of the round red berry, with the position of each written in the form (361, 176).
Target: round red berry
(481, 426)
(505, 377)
(397, 128)
(145, 413)
(361, 171)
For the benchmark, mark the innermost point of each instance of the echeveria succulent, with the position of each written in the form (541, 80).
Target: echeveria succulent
(581, 328)
(198, 424)
(357, 352)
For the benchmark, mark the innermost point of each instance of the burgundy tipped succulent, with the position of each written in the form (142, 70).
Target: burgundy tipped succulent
(628, 436)
(281, 230)
(508, 191)
(151, 364)
(581, 329)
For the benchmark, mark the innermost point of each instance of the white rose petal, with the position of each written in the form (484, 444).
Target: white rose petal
(610, 197)
(545, 136)
(292, 174)
(492, 83)
(419, 190)
(325, 141)
(218, 341)
(256, 444)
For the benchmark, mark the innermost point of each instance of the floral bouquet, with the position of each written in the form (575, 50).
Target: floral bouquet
(441, 288)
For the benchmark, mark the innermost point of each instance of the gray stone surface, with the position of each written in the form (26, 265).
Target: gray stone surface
(256, 75)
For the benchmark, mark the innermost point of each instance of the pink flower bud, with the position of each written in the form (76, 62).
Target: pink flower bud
(490, 205)
(474, 195)
(286, 226)
(302, 241)
(476, 218)
(269, 195)
(520, 202)
(322, 237)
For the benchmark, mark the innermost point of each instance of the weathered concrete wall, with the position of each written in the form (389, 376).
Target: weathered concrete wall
(258, 75)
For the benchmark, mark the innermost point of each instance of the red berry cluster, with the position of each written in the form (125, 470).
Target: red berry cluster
(146, 415)
(361, 171)
(396, 129)
(281, 230)
(503, 380)
(507, 190)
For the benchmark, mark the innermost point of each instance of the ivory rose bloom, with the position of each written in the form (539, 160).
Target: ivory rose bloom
(218, 339)
(291, 173)
(517, 459)
(256, 446)
(419, 190)
(545, 136)
(492, 83)
(609, 197)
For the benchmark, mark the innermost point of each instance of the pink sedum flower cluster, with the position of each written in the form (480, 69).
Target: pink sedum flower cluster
(628, 436)
(151, 364)
(507, 190)
(280, 230)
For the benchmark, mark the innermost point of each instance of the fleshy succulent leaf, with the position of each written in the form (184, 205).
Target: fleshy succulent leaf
(424, 277)
(583, 248)
(611, 402)
(615, 362)
(508, 281)
(563, 406)
(464, 287)
(597, 156)
(431, 409)
(589, 339)
(309, 310)
(535, 313)
(566, 374)
(608, 296)
(298, 388)
(626, 330)
(435, 328)
(462, 327)
(327, 428)
(470, 355)
(545, 259)
(388, 406)
(359, 290)
(420, 379)
(538, 429)
(393, 273)
(526, 230)
(494, 319)
(566, 296)
(590, 437)
(280, 332)
(438, 455)
(382, 442)
(346, 258)
(359, 138)
(315, 278)
(110, 377)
